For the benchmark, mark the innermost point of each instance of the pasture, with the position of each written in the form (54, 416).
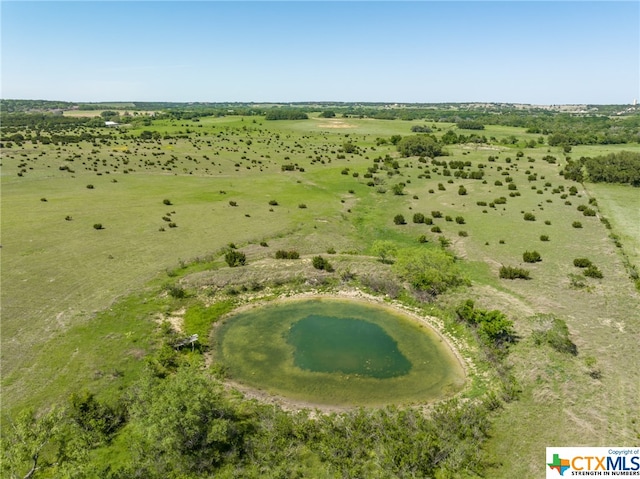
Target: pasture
(80, 303)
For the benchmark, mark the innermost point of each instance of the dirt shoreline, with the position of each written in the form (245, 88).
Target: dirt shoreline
(289, 404)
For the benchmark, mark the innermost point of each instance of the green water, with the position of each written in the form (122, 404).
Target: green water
(345, 345)
(337, 352)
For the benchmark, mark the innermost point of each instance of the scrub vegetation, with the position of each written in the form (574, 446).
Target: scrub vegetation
(124, 242)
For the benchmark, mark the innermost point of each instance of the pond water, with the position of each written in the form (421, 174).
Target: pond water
(345, 345)
(337, 352)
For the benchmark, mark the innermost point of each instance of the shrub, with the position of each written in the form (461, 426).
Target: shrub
(544, 237)
(429, 270)
(436, 214)
(418, 218)
(529, 217)
(531, 257)
(322, 264)
(399, 220)
(576, 224)
(233, 203)
(444, 242)
(235, 258)
(98, 226)
(422, 239)
(264, 244)
(592, 271)
(555, 333)
(510, 272)
(492, 326)
(273, 202)
(436, 229)
(463, 233)
(302, 206)
(89, 187)
(282, 254)
(588, 212)
(460, 220)
(462, 190)
(582, 262)
(176, 291)
(385, 249)
(167, 202)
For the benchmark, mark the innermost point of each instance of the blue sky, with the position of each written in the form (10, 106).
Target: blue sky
(523, 52)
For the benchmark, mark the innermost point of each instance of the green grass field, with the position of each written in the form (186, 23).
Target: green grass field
(78, 303)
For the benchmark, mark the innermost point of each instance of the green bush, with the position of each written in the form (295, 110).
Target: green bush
(167, 202)
(554, 332)
(235, 258)
(582, 262)
(430, 270)
(576, 224)
(399, 220)
(544, 237)
(322, 264)
(98, 226)
(592, 271)
(529, 217)
(531, 257)
(282, 254)
(510, 272)
(460, 220)
(418, 218)
(492, 326)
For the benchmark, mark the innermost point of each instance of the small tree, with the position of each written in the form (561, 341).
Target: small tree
(529, 217)
(167, 202)
(384, 249)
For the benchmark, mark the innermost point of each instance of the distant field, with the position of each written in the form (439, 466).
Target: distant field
(64, 281)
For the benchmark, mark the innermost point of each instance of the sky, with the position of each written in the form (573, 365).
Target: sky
(538, 52)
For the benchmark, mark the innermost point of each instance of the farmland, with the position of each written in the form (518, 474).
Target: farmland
(97, 232)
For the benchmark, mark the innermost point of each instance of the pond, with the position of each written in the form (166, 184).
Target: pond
(337, 353)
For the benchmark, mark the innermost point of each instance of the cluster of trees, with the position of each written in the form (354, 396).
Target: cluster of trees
(420, 145)
(622, 167)
(186, 425)
(469, 125)
(286, 114)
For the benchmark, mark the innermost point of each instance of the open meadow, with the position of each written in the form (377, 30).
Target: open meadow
(97, 232)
